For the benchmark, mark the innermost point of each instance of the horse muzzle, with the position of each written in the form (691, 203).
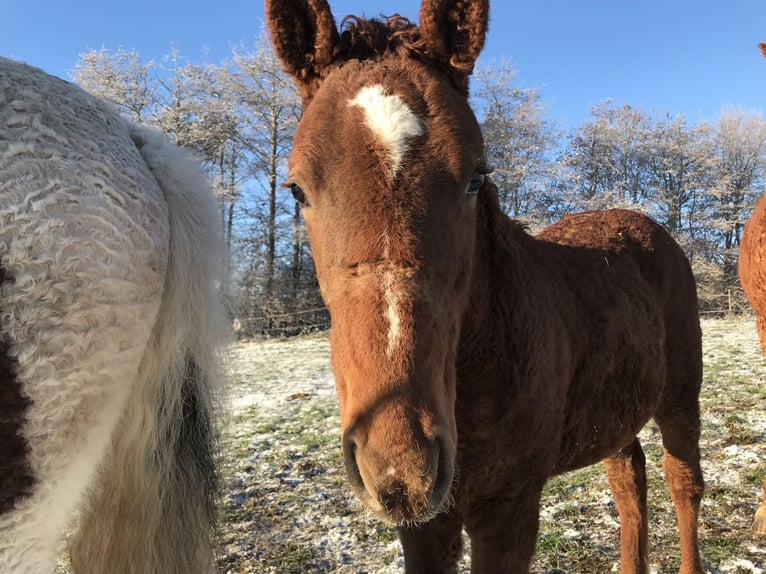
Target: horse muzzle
(402, 486)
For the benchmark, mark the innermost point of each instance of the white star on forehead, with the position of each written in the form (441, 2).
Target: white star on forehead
(391, 119)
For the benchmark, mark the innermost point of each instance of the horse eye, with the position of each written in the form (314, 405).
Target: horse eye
(298, 194)
(477, 179)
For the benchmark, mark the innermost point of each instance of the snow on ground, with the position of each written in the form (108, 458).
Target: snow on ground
(288, 509)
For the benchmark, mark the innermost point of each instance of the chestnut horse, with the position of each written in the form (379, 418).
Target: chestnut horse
(474, 361)
(752, 276)
(108, 327)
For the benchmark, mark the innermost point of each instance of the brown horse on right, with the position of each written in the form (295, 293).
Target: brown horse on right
(752, 275)
(474, 361)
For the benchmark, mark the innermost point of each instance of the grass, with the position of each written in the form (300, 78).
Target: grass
(289, 509)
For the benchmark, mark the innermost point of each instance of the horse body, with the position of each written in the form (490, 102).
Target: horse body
(752, 276)
(608, 338)
(472, 360)
(570, 339)
(98, 256)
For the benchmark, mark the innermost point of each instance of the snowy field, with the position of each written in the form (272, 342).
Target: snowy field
(287, 507)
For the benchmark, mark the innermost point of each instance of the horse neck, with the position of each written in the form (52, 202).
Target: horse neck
(502, 254)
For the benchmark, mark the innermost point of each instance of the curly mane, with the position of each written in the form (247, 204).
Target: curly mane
(371, 39)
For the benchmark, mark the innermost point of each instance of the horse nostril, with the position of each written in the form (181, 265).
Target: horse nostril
(442, 482)
(349, 459)
(349, 445)
(409, 488)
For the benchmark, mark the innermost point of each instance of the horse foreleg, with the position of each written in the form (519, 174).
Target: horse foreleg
(504, 533)
(626, 472)
(434, 547)
(759, 523)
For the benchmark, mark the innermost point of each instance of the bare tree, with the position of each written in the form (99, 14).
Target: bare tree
(700, 181)
(281, 280)
(518, 138)
(213, 125)
(738, 153)
(678, 162)
(273, 108)
(607, 159)
(120, 78)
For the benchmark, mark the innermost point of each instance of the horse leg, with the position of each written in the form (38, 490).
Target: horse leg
(759, 523)
(434, 547)
(626, 472)
(678, 417)
(684, 477)
(503, 534)
(681, 464)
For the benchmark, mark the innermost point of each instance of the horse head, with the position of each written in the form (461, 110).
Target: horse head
(387, 163)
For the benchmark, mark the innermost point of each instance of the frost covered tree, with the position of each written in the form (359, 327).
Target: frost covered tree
(699, 180)
(606, 159)
(205, 116)
(678, 165)
(120, 78)
(239, 117)
(738, 154)
(269, 103)
(518, 138)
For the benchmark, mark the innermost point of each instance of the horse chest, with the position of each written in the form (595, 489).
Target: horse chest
(501, 431)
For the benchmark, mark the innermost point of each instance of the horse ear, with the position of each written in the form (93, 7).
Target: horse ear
(762, 46)
(454, 32)
(304, 36)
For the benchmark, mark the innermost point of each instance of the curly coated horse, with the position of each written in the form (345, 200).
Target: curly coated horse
(752, 275)
(109, 319)
(473, 361)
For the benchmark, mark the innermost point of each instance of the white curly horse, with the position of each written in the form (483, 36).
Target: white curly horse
(108, 328)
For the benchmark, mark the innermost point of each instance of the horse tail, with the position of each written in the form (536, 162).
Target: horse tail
(153, 509)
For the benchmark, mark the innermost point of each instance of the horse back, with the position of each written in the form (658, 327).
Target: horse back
(635, 244)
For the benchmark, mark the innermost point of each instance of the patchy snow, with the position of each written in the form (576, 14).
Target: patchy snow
(288, 509)
(740, 565)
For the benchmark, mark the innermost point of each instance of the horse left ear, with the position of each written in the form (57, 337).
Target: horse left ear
(762, 46)
(304, 36)
(454, 32)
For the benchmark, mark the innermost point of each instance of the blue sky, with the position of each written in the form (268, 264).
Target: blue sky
(676, 56)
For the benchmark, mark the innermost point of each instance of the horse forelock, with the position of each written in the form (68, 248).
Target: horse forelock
(371, 39)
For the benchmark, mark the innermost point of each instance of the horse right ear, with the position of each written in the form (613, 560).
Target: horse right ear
(454, 33)
(762, 46)
(304, 36)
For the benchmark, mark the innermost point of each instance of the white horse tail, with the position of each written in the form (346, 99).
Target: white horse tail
(153, 508)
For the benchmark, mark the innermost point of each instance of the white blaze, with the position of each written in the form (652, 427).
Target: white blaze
(391, 120)
(392, 311)
(391, 294)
